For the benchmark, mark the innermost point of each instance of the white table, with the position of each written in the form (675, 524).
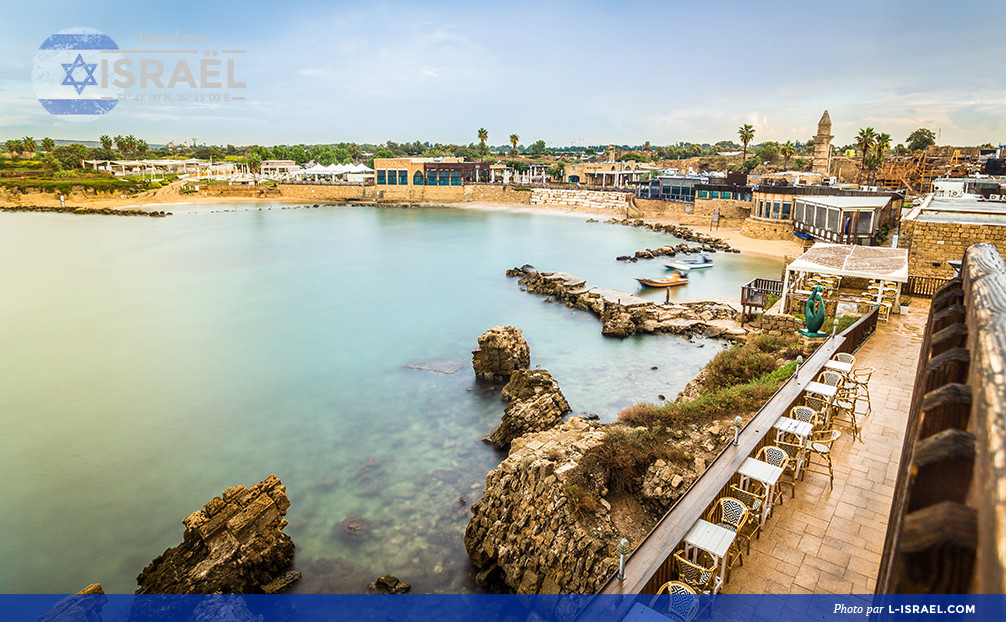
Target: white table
(765, 473)
(800, 429)
(712, 539)
(840, 367)
(827, 392)
(642, 613)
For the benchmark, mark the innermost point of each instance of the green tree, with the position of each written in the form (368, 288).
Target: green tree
(120, 143)
(48, 144)
(28, 145)
(514, 139)
(787, 151)
(556, 171)
(131, 144)
(254, 161)
(142, 147)
(106, 142)
(483, 137)
(70, 156)
(920, 139)
(746, 134)
(768, 152)
(864, 142)
(13, 146)
(538, 147)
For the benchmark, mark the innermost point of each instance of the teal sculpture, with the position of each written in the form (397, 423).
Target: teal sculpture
(813, 314)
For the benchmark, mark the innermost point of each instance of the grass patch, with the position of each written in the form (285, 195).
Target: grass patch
(65, 186)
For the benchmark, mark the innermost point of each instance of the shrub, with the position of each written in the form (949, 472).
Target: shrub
(154, 185)
(740, 365)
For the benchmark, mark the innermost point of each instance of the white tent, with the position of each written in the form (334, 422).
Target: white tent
(849, 260)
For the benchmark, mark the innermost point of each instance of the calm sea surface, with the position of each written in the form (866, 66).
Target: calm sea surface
(148, 364)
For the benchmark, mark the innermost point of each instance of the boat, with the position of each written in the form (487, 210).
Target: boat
(674, 280)
(691, 263)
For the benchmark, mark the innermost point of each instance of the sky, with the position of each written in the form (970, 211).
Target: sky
(582, 72)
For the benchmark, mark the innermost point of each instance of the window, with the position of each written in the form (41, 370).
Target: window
(761, 207)
(380, 177)
(727, 194)
(417, 179)
(786, 208)
(775, 209)
(431, 178)
(455, 178)
(392, 177)
(403, 177)
(445, 178)
(703, 194)
(715, 194)
(865, 223)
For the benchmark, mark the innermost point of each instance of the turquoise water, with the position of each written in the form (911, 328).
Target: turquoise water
(148, 364)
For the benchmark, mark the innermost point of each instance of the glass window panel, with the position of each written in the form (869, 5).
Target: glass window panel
(403, 177)
(715, 194)
(392, 178)
(445, 178)
(417, 179)
(786, 207)
(865, 223)
(431, 178)
(833, 216)
(727, 194)
(380, 176)
(775, 209)
(455, 178)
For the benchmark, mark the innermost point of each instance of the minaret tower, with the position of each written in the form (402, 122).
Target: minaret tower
(822, 146)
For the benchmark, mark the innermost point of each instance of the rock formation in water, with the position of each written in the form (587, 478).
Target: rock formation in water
(389, 584)
(84, 606)
(233, 545)
(536, 404)
(524, 529)
(502, 350)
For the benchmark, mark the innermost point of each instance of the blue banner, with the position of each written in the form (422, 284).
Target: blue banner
(497, 608)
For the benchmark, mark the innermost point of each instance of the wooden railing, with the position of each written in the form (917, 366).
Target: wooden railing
(922, 286)
(650, 565)
(946, 532)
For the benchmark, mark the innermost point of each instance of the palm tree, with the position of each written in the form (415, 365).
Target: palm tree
(13, 146)
(787, 151)
(883, 144)
(28, 145)
(131, 143)
(483, 137)
(864, 141)
(48, 144)
(514, 139)
(141, 147)
(746, 133)
(120, 142)
(106, 142)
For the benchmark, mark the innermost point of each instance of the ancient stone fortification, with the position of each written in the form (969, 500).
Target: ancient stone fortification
(705, 242)
(593, 199)
(931, 243)
(623, 314)
(763, 229)
(235, 545)
(536, 404)
(525, 532)
(502, 350)
(414, 194)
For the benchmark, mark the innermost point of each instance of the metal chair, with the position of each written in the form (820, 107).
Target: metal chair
(859, 380)
(702, 579)
(682, 604)
(796, 453)
(831, 377)
(844, 357)
(821, 446)
(733, 515)
(776, 456)
(806, 414)
(753, 501)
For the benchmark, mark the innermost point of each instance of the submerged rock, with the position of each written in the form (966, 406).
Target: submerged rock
(234, 545)
(389, 584)
(439, 366)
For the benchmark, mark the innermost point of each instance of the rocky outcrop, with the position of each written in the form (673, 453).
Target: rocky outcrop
(84, 606)
(525, 532)
(705, 243)
(389, 584)
(234, 545)
(623, 314)
(105, 211)
(536, 404)
(502, 350)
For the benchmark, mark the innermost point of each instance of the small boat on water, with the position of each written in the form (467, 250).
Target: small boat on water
(691, 263)
(674, 280)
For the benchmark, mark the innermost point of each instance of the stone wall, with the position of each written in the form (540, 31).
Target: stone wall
(413, 194)
(929, 242)
(615, 202)
(780, 324)
(762, 229)
(656, 208)
(728, 208)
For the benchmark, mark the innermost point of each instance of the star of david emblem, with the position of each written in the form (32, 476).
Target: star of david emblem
(88, 80)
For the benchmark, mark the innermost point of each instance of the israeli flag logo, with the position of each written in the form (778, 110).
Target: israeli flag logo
(70, 74)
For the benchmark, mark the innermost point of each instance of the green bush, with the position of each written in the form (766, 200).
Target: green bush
(154, 185)
(739, 365)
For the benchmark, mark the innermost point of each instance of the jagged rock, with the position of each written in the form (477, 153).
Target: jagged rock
(223, 608)
(618, 325)
(502, 350)
(530, 383)
(234, 545)
(283, 583)
(389, 584)
(532, 415)
(526, 525)
(84, 606)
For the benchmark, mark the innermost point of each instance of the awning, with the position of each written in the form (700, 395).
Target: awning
(871, 262)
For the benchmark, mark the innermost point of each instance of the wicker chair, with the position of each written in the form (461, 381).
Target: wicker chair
(859, 381)
(682, 604)
(820, 445)
(776, 456)
(797, 458)
(754, 502)
(702, 579)
(806, 414)
(844, 357)
(732, 515)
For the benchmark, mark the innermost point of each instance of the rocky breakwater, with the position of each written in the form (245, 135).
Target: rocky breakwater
(525, 533)
(705, 243)
(105, 211)
(535, 404)
(502, 350)
(623, 314)
(234, 545)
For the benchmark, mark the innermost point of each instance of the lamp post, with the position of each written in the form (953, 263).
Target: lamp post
(737, 430)
(799, 362)
(623, 549)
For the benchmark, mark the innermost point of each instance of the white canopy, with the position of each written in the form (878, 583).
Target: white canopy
(871, 262)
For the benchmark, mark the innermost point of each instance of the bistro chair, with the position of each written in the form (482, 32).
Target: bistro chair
(702, 579)
(831, 377)
(682, 604)
(844, 357)
(733, 515)
(859, 381)
(754, 502)
(778, 457)
(821, 446)
(796, 453)
(806, 414)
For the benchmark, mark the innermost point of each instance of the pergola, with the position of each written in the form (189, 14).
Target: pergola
(847, 260)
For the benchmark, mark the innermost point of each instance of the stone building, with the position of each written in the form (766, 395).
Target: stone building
(942, 228)
(445, 171)
(604, 174)
(822, 146)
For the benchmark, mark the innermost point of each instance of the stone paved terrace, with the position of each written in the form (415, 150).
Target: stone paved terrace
(829, 541)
